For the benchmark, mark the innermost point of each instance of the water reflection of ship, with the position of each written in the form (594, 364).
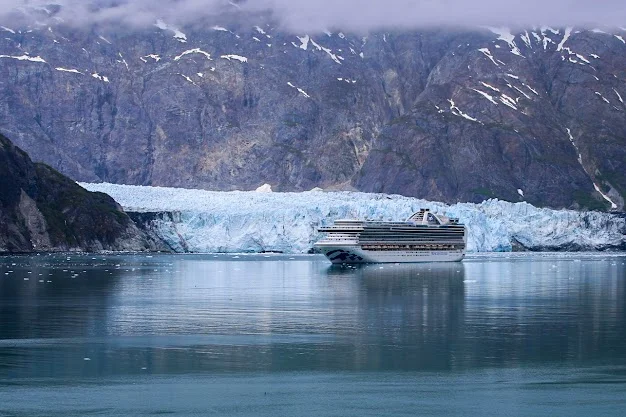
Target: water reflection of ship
(409, 316)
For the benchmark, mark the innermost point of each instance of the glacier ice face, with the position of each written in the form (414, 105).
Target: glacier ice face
(248, 221)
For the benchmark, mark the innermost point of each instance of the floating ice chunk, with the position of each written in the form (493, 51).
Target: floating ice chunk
(265, 188)
(220, 29)
(594, 56)
(75, 71)
(193, 51)
(256, 39)
(6, 29)
(261, 31)
(621, 38)
(618, 96)
(512, 76)
(235, 57)
(105, 39)
(25, 57)
(520, 192)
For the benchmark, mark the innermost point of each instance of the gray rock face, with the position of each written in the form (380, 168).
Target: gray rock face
(452, 116)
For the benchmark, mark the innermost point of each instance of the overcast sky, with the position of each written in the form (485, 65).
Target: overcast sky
(351, 15)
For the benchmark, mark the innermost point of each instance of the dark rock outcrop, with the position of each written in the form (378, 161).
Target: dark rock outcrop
(533, 116)
(43, 210)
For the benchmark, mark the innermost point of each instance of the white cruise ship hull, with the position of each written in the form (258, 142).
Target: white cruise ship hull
(354, 254)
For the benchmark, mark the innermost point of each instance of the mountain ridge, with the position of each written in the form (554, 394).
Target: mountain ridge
(448, 115)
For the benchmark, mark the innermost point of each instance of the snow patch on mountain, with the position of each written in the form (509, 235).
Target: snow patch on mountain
(193, 51)
(327, 50)
(75, 71)
(100, 77)
(301, 91)
(25, 58)
(304, 42)
(457, 112)
(156, 57)
(487, 53)
(249, 221)
(265, 188)
(504, 34)
(178, 35)
(568, 32)
(235, 57)
(487, 96)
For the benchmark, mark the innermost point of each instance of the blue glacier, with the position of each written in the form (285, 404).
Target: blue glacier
(252, 221)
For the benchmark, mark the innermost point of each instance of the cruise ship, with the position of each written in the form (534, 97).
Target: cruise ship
(423, 237)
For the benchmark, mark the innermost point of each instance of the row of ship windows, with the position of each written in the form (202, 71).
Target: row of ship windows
(410, 247)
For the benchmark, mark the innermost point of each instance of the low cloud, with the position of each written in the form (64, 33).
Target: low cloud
(350, 15)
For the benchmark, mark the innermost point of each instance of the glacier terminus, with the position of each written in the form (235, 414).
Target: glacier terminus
(191, 220)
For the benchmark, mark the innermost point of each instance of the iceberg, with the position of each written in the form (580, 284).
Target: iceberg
(192, 220)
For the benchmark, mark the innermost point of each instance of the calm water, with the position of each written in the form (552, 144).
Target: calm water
(278, 335)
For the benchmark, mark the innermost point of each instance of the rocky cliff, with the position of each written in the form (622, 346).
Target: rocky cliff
(42, 210)
(531, 115)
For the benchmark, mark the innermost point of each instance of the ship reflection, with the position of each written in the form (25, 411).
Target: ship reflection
(409, 316)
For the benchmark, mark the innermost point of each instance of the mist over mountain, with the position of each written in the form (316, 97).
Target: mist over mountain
(347, 15)
(238, 96)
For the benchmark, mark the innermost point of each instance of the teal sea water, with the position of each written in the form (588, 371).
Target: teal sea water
(273, 335)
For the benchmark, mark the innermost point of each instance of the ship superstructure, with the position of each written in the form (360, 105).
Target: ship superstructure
(423, 237)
